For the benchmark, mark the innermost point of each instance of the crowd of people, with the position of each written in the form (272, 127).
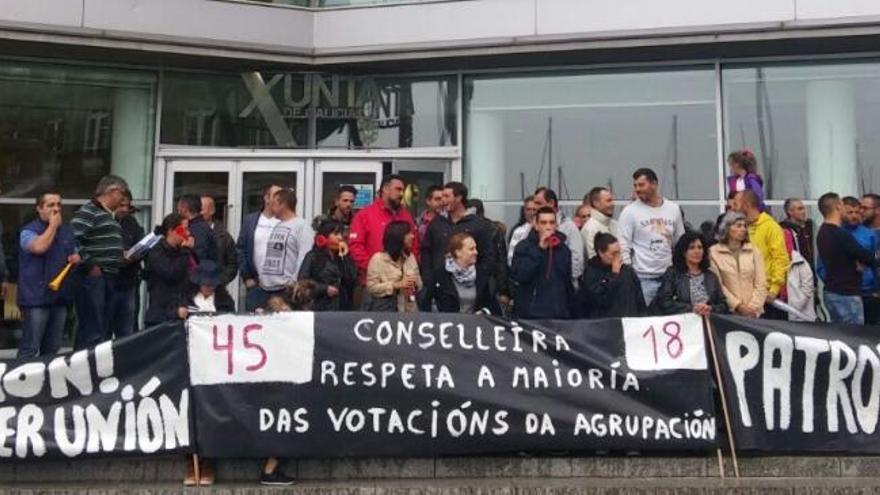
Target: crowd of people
(649, 261)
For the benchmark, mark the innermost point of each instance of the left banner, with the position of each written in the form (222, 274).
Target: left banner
(122, 397)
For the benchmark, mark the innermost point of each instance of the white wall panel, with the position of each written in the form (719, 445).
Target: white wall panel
(433, 23)
(604, 16)
(222, 22)
(66, 13)
(831, 9)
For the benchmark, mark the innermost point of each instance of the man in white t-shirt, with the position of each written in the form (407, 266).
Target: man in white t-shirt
(648, 229)
(289, 241)
(251, 247)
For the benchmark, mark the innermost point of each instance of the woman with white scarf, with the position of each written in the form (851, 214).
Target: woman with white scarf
(456, 281)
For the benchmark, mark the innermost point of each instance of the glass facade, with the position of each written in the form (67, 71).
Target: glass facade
(810, 124)
(64, 127)
(308, 110)
(813, 127)
(577, 131)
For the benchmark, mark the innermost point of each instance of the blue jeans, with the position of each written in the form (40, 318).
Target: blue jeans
(99, 309)
(650, 287)
(845, 309)
(42, 328)
(122, 321)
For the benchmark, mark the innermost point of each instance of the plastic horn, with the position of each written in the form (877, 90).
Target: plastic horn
(55, 284)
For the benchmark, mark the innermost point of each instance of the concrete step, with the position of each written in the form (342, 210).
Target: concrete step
(171, 469)
(481, 486)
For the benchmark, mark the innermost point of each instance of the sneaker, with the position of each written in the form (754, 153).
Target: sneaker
(276, 478)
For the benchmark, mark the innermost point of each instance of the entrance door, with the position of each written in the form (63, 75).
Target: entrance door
(365, 176)
(236, 186)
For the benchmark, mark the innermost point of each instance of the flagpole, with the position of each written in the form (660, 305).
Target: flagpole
(707, 326)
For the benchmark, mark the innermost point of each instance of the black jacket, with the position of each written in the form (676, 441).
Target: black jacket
(446, 295)
(435, 244)
(205, 245)
(132, 232)
(227, 258)
(606, 295)
(804, 237)
(167, 274)
(325, 271)
(674, 296)
(543, 279)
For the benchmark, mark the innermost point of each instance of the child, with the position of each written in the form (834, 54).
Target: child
(208, 295)
(744, 174)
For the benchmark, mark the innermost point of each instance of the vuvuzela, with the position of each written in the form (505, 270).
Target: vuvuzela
(55, 284)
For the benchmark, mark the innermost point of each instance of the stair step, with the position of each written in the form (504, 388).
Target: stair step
(171, 469)
(481, 486)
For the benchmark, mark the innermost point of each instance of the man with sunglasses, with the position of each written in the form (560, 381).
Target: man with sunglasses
(99, 303)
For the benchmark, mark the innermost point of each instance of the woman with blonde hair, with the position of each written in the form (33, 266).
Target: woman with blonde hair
(739, 266)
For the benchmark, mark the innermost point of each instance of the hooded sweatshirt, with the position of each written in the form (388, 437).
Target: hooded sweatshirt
(767, 237)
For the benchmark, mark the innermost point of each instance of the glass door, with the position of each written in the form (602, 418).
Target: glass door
(364, 176)
(203, 178)
(420, 175)
(236, 186)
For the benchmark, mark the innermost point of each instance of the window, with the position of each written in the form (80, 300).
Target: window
(577, 131)
(279, 109)
(813, 128)
(64, 127)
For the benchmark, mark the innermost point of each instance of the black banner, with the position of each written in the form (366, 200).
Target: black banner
(126, 397)
(359, 384)
(800, 387)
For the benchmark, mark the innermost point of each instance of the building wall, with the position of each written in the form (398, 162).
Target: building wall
(470, 23)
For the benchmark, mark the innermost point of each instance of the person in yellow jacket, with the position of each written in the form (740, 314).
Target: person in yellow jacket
(766, 235)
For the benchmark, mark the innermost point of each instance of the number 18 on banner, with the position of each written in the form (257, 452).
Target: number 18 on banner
(246, 349)
(665, 343)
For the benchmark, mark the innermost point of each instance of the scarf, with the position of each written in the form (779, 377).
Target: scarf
(463, 276)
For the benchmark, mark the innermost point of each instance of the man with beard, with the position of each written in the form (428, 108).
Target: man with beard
(648, 229)
(601, 219)
(456, 217)
(368, 225)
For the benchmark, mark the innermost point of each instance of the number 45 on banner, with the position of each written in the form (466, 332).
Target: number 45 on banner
(665, 343)
(247, 349)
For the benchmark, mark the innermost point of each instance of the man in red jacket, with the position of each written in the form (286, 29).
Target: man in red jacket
(368, 225)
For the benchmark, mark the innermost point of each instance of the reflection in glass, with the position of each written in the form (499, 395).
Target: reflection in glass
(390, 113)
(812, 127)
(218, 110)
(214, 184)
(253, 184)
(578, 131)
(65, 127)
(332, 181)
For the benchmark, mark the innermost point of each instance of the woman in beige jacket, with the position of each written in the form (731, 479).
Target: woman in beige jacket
(393, 274)
(739, 266)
